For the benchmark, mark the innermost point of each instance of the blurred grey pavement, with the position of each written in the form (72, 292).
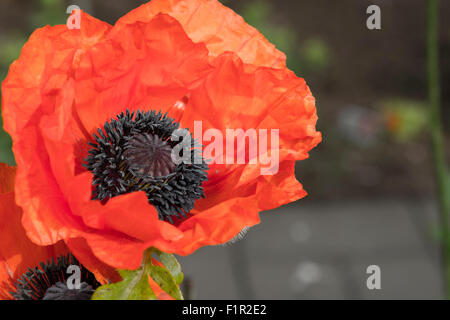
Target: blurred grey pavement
(322, 250)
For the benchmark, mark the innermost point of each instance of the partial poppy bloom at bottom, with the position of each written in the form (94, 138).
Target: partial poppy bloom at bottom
(32, 272)
(29, 271)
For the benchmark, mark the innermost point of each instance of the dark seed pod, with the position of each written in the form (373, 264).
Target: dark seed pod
(49, 282)
(133, 152)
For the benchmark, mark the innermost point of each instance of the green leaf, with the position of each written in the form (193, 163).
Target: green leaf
(171, 263)
(134, 284)
(166, 281)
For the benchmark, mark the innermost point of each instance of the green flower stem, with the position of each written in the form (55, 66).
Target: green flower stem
(437, 135)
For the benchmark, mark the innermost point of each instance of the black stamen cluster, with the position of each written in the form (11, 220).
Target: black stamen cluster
(49, 281)
(133, 153)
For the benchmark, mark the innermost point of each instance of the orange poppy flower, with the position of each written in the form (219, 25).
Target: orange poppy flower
(82, 107)
(32, 272)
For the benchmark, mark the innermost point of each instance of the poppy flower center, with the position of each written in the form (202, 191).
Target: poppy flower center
(133, 152)
(148, 154)
(49, 281)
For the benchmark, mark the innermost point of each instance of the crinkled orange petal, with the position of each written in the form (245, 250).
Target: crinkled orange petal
(219, 27)
(30, 91)
(7, 174)
(47, 216)
(17, 252)
(129, 214)
(44, 64)
(138, 66)
(273, 99)
(103, 273)
(218, 224)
